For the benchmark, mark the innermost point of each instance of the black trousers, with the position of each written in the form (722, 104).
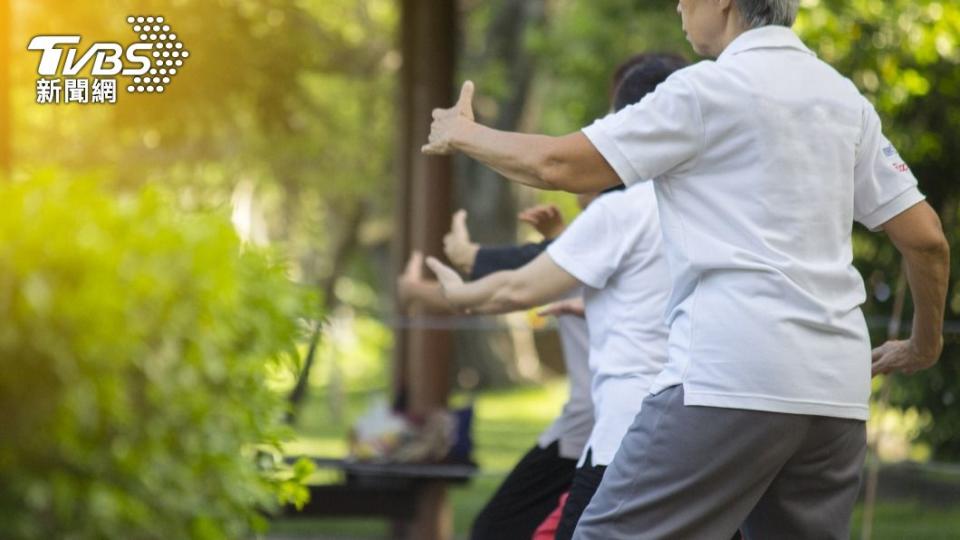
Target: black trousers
(526, 497)
(585, 483)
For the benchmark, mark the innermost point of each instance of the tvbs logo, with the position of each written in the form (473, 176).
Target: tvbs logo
(149, 64)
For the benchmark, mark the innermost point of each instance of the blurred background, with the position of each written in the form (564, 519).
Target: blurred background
(291, 121)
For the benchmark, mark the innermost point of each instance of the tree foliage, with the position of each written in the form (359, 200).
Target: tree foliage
(294, 98)
(905, 56)
(136, 347)
(284, 110)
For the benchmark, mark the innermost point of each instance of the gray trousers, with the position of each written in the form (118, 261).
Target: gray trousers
(702, 472)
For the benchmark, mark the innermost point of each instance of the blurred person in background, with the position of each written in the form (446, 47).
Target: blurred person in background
(535, 484)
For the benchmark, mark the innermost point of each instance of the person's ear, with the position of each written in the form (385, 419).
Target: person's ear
(727, 7)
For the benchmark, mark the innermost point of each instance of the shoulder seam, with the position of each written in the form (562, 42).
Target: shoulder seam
(703, 128)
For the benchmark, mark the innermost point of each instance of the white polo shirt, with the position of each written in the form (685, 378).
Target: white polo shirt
(763, 160)
(572, 428)
(615, 249)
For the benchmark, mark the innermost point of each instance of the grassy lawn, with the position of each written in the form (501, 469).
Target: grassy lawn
(910, 521)
(506, 425)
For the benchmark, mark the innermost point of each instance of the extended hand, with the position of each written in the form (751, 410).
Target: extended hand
(900, 356)
(411, 276)
(545, 218)
(574, 307)
(447, 123)
(457, 245)
(448, 277)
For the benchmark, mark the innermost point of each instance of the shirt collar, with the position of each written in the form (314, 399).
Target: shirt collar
(765, 37)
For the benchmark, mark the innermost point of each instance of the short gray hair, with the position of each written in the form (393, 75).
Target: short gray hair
(757, 13)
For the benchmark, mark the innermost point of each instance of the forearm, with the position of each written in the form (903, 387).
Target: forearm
(516, 156)
(918, 235)
(928, 273)
(537, 283)
(428, 297)
(569, 163)
(496, 293)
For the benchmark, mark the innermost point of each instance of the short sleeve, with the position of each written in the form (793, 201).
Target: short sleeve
(884, 186)
(587, 249)
(654, 137)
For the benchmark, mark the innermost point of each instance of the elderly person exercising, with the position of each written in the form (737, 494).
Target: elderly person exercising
(761, 160)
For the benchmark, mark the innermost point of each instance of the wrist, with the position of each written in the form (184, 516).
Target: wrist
(461, 132)
(927, 349)
(471, 257)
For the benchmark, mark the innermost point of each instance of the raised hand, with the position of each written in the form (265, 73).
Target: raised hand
(457, 245)
(900, 356)
(447, 123)
(573, 306)
(545, 218)
(411, 276)
(448, 277)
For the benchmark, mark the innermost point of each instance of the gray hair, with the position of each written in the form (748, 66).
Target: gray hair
(757, 13)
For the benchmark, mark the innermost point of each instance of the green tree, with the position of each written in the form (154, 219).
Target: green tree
(137, 348)
(285, 109)
(905, 56)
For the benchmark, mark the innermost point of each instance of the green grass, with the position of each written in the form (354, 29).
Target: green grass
(506, 425)
(910, 521)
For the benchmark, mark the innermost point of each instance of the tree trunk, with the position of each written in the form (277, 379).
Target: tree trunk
(423, 357)
(341, 255)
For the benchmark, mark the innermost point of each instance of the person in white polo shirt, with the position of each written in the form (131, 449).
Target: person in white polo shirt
(613, 251)
(535, 484)
(761, 160)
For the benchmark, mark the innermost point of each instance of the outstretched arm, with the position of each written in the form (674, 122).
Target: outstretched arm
(537, 283)
(918, 235)
(568, 163)
(418, 294)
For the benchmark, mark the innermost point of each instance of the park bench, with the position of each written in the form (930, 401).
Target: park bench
(392, 491)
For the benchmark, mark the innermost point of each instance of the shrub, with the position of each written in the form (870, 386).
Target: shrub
(135, 347)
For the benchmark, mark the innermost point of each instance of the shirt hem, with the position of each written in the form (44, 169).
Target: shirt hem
(775, 405)
(611, 152)
(901, 203)
(571, 450)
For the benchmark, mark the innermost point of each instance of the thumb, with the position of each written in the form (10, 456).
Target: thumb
(415, 266)
(444, 273)
(416, 258)
(459, 225)
(435, 265)
(465, 103)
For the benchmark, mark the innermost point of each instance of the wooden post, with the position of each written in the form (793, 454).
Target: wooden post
(6, 110)
(423, 357)
(425, 182)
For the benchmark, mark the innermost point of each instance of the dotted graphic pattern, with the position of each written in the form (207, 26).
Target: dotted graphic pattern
(167, 56)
